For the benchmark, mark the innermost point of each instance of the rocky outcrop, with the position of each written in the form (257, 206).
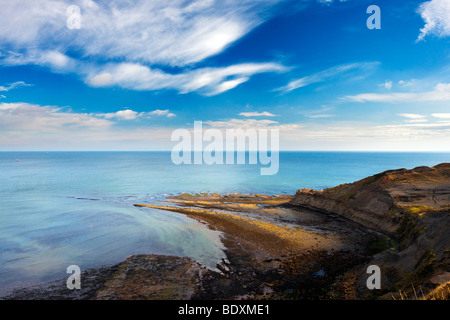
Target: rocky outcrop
(411, 208)
(380, 201)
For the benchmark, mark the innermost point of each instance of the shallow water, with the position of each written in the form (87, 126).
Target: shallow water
(64, 208)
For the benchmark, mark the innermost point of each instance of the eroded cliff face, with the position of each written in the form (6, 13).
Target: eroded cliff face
(367, 207)
(411, 207)
(380, 202)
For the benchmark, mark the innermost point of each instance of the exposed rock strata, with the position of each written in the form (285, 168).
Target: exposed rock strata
(409, 206)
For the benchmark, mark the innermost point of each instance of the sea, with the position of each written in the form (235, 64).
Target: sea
(59, 209)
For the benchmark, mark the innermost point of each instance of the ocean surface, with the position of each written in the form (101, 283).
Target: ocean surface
(76, 208)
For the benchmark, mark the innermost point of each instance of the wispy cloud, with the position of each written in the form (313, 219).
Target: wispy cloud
(257, 114)
(328, 74)
(208, 81)
(140, 35)
(129, 114)
(40, 119)
(14, 85)
(436, 14)
(320, 116)
(240, 123)
(34, 127)
(412, 116)
(172, 32)
(441, 92)
(321, 113)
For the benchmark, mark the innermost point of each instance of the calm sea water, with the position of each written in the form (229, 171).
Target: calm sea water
(64, 208)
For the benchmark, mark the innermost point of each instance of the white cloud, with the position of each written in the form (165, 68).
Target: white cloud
(436, 14)
(257, 114)
(320, 116)
(387, 85)
(172, 32)
(416, 120)
(122, 114)
(437, 125)
(227, 85)
(411, 115)
(328, 74)
(14, 85)
(240, 124)
(140, 34)
(128, 114)
(368, 137)
(165, 113)
(34, 127)
(41, 119)
(441, 92)
(441, 115)
(355, 136)
(52, 59)
(101, 80)
(208, 81)
(2, 96)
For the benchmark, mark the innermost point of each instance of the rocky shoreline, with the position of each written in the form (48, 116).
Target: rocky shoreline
(312, 245)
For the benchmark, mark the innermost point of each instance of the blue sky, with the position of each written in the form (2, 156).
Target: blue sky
(137, 70)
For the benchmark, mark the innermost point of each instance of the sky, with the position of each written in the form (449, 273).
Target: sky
(135, 71)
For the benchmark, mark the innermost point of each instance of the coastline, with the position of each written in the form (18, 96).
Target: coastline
(311, 245)
(268, 245)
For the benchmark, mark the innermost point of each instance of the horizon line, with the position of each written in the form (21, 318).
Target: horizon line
(169, 151)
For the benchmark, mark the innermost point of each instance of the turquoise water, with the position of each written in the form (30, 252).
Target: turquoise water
(64, 208)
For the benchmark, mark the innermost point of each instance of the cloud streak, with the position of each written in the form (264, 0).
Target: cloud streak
(129, 45)
(129, 114)
(441, 115)
(208, 81)
(441, 92)
(172, 32)
(412, 116)
(35, 119)
(327, 74)
(257, 114)
(14, 85)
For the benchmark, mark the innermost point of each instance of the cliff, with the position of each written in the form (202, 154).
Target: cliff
(381, 201)
(409, 208)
